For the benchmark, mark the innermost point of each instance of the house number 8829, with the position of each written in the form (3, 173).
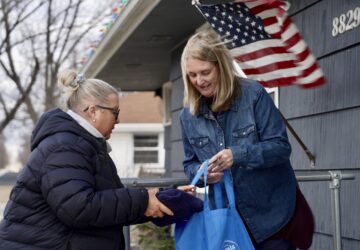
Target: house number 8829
(346, 22)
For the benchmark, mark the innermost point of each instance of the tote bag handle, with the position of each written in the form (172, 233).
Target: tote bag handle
(217, 187)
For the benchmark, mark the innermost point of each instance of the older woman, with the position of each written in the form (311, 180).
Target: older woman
(68, 195)
(233, 122)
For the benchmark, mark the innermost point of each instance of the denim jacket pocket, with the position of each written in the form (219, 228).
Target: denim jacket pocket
(244, 134)
(199, 142)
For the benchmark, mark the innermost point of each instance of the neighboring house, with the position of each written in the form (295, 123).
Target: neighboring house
(142, 52)
(138, 140)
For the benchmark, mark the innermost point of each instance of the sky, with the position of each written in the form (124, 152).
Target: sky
(17, 131)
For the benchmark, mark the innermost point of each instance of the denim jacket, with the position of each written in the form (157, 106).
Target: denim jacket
(263, 178)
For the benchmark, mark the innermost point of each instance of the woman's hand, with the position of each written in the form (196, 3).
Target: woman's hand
(212, 177)
(190, 189)
(221, 161)
(155, 208)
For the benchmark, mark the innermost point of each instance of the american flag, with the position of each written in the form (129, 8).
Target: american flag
(264, 42)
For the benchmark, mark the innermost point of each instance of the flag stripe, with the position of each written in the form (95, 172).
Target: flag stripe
(292, 41)
(308, 62)
(264, 51)
(283, 81)
(270, 67)
(310, 70)
(303, 55)
(299, 47)
(275, 74)
(269, 21)
(312, 77)
(315, 83)
(259, 45)
(265, 60)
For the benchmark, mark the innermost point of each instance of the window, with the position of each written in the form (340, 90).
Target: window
(146, 149)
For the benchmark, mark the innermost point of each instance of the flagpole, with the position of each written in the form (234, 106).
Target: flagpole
(302, 144)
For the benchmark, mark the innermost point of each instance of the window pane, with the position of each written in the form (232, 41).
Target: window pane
(145, 140)
(146, 156)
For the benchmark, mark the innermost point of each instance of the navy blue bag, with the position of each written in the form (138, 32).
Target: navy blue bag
(217, 229)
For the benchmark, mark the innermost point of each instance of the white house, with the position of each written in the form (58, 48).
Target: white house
(138, 140)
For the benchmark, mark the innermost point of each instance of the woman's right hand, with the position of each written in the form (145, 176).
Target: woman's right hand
(155, 208)
(212, 177)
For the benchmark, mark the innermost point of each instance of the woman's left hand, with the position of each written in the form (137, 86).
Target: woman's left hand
(190, 189)
(221, 161)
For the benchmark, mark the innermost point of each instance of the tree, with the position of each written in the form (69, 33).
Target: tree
(4, 160)
(38, 39)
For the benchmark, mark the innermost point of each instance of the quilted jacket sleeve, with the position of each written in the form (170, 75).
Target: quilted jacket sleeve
(69, 186)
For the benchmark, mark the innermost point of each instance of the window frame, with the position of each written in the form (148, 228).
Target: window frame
(147, 149)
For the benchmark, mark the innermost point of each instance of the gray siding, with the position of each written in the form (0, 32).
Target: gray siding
(176, 152)
(331, 137)
(340, 92)
(326, 118)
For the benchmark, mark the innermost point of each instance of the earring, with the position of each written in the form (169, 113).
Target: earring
(94, 120)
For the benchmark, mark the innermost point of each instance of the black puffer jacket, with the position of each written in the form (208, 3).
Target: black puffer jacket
(68, 195)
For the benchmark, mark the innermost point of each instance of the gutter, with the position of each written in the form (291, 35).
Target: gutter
(130, 18)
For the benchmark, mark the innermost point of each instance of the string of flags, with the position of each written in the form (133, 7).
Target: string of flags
(117, 8)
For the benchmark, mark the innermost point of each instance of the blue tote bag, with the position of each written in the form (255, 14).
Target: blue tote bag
(216, 229)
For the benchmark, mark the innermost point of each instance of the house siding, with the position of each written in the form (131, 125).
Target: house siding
(327, 118)
(176, 153)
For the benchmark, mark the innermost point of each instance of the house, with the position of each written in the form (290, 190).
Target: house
(142, 53)
(138, 140)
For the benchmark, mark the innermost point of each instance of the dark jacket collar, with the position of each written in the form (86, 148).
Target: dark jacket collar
(56, 121)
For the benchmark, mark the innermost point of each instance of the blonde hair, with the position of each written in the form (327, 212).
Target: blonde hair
(78, 92)
(207, 46)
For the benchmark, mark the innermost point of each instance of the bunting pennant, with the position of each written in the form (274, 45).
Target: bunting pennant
(115, 12)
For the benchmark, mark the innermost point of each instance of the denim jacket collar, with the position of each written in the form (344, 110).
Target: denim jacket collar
(206, 111)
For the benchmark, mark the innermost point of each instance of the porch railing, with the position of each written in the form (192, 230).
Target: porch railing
(334, 177)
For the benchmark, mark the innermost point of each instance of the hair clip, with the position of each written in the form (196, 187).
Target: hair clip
(80, 78)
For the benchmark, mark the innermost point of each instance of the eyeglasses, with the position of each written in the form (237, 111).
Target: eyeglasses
(114, 111)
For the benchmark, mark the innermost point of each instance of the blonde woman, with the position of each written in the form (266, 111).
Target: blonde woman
(233, 122)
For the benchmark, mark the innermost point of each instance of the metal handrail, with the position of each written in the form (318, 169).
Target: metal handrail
(334, 177)
(164, 182)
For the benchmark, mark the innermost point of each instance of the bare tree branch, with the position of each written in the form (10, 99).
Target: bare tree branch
(12, 72)
(81, 36)
(11, 114)
(32, 54)
(92, 23)
(57, 40)
(70, 28)
(3, 103)
(43, 33)
(19, 19)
